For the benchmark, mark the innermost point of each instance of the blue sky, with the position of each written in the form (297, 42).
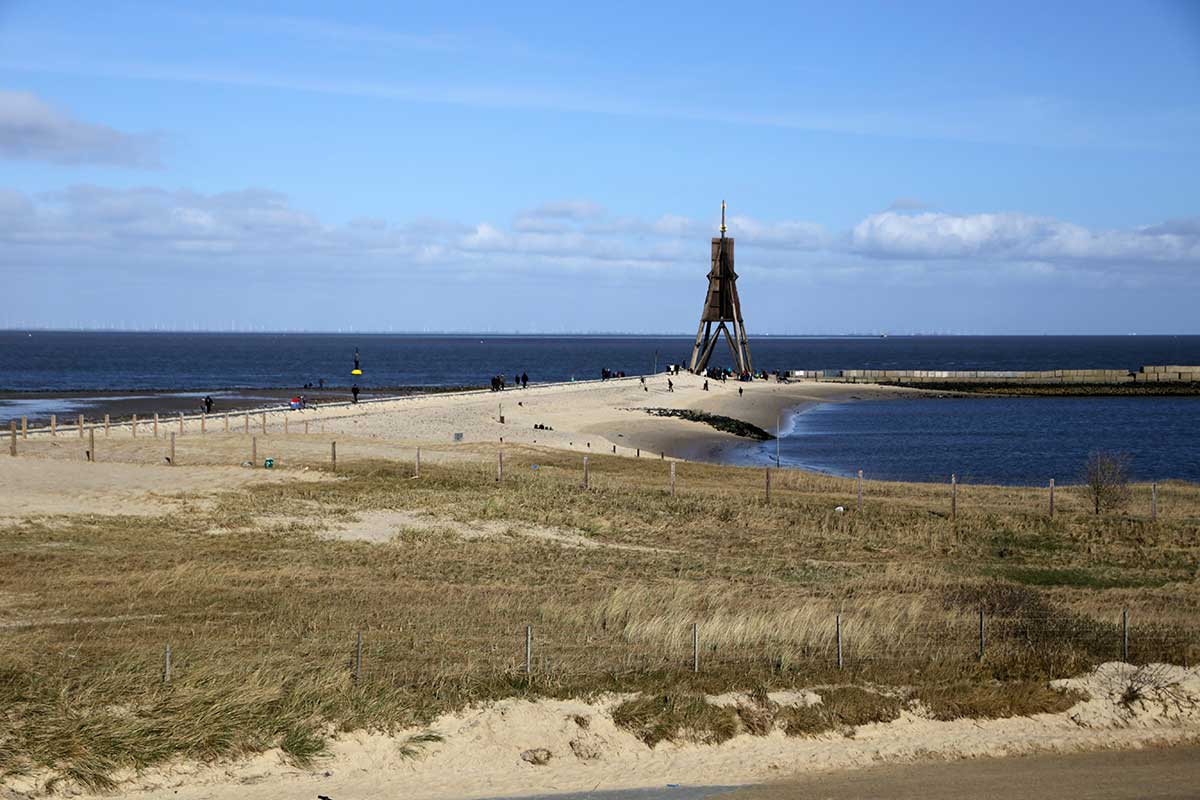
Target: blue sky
(906, 167)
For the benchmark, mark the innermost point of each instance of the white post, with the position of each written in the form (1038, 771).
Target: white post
(953, 497)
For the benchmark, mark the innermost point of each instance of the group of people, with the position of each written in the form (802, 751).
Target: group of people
(520, 381)
(607, 373)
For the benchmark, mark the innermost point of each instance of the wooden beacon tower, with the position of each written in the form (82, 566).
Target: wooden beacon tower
(721, 306)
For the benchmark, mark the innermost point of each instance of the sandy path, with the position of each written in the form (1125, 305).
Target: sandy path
(1153, 774)
(35, 486)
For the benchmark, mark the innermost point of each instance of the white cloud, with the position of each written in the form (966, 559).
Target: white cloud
(1013, 236)
(34, 131)
(157, 230)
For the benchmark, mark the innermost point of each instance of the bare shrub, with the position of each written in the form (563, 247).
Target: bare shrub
(995, 701)
(676, 715)
(844, 707)
(1106, 480)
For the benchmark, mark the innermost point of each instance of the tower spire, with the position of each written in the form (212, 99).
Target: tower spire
(722, 219)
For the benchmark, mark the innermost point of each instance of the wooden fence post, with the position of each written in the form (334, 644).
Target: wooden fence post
(1154, 501)
(981, 639)
(1125, 635)
(528, 649)
(333, 455)
(172, 459)
(133, 426)
(246, 419)
(586, 480)
(12, 442)
(838, 623)
(106, 424)
(285, 424)
(358, 659)
(227, 422)
(264, 423)
(954, 496)
(181, 423)
(695, 647)
(53, 425)
(24, 427)
(81, 426)
(672, 479)
(92, 445)
(155, 424)
(306, 427)
(639, 453)
(203, 422)
(254, 451)
(768, 471)
(500, 466)
(860, 490)
(417, 467)
(1052, 497)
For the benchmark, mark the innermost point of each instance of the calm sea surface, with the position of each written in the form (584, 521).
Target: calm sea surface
(39, 361)
(1016, 441)
(1009, 440)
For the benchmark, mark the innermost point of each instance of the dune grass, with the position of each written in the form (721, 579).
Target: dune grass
(262, 605)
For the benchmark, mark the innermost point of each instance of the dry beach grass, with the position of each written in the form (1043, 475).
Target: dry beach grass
(261, 598)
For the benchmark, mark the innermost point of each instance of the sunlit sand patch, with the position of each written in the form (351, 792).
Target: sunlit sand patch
(383, 526)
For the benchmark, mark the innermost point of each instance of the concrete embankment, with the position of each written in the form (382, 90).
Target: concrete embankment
(1145, 375)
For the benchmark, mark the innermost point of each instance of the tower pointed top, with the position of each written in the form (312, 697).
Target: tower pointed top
(722, 219)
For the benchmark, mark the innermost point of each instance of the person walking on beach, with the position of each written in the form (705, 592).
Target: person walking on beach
(706, 384)
(670, 385)
(524, 380)
(739, 391)
(354, 393)
(208, 404)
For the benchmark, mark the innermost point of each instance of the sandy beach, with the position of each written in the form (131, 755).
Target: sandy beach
(598, 416)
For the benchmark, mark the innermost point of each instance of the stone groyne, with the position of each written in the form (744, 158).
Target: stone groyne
(1145, 375)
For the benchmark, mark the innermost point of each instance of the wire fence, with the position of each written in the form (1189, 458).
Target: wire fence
(1047, 645)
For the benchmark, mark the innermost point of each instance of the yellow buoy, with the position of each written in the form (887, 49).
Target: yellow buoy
(356, 372)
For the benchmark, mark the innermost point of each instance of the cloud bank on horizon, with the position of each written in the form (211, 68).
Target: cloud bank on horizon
(867, 222)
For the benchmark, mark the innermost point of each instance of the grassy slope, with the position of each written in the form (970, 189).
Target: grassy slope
(262, 614)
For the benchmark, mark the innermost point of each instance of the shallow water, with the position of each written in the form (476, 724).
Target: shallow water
(1015, 441)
